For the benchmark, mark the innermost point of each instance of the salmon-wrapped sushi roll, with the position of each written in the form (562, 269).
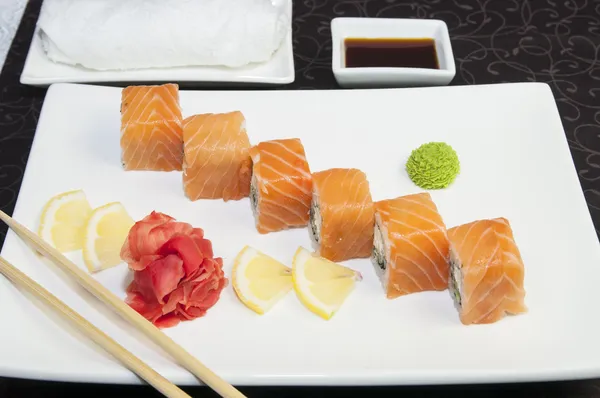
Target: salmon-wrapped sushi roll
(411, 247)
(487, 272)
(151, 130)
(281, 185)
(341, 214)
(216, 162)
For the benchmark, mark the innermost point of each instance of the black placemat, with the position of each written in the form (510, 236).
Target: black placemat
(552, 41)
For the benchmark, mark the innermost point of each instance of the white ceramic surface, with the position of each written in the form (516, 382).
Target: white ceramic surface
(41, 71)
(342, 28)
(515, 163)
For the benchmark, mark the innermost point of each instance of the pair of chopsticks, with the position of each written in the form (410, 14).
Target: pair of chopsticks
(183, 357)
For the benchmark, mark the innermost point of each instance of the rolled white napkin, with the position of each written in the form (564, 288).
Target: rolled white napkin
(134, 34)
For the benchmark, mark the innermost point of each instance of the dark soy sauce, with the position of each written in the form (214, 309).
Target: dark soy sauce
(391, 53)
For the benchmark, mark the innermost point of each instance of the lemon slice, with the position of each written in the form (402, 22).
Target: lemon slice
(105, 232)
(321, 285)
(62, 220)
(259, 280)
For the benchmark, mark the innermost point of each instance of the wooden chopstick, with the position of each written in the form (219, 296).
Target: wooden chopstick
(99, 337)
(183, 357)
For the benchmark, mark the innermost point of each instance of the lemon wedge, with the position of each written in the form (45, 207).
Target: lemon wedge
(259, 280)
(63, 219)
(321, 285)
(105, 232)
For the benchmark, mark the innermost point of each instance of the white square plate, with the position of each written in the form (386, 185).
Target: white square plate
(41, 71)
(515, 164)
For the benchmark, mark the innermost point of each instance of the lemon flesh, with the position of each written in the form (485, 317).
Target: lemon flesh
(105, 232)
(321, 285)
(63, 220)
(259, 280)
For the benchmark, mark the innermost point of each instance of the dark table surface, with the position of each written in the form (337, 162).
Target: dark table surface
(552, 41)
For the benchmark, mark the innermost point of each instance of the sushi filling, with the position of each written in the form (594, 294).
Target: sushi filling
(379, 248)
(455, 278)
(254, 195)
(315, 220)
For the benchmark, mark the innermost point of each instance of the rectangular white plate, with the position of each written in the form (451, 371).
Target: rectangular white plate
(41, 71)
(515, 163)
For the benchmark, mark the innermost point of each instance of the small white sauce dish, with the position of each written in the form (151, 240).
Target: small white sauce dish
(391, 28)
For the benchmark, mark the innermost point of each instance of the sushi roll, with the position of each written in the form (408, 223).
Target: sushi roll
(410, 246)
(216, 162)
(151, 128)
(341, 214)
(487, 271)
(281, 185)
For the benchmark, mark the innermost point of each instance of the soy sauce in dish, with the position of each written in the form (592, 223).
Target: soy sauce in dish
(391, 53)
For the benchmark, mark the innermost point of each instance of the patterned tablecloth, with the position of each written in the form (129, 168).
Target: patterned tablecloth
(552, 41)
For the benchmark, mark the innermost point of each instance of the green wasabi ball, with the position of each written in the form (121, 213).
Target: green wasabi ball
(433, 165)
